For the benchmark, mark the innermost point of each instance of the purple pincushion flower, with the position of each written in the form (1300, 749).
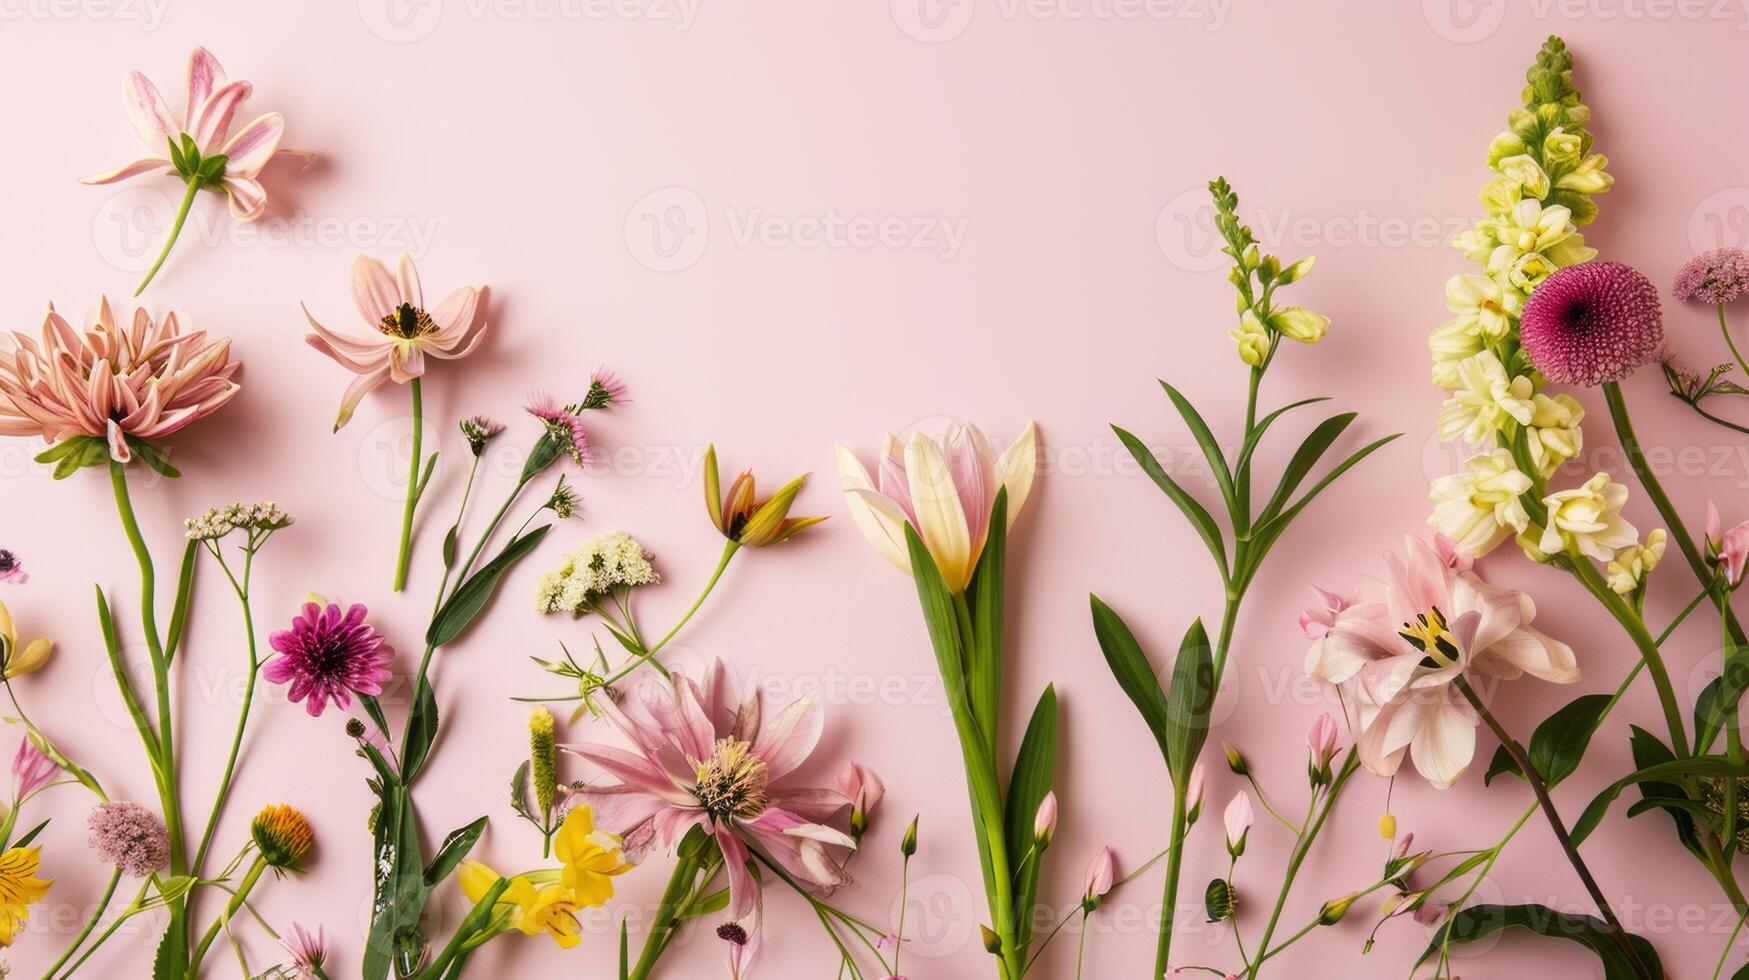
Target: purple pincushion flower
(1715, 278)
(130, 837)
(327, 656)
(1592, 324)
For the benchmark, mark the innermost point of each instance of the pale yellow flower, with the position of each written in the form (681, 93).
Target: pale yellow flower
(525, 906)
(1252, 338)
(1298, 323)
(1555, 436)
(17, 660)
(1479, 507)
(1484, 400)
(1524, 171)
(1589, 517)
(1588, 177)
(1631, 565)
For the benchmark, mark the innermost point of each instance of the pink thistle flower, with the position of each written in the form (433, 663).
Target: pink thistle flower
(1715, 278)
(394, 306)
(326, 656)
(699, 757)
(130, 837)
(308, 950)
(11, 569)
(563, 424)
(1592, 324)
(31, 771)
(141, 381)
(605, 388)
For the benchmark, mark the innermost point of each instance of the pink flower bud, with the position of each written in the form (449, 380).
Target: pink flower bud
(1317, 620)
(1044, 823)
(1404, 845)
(31, 771)
(862, 786)
(1321, 739)
(1193, 791)
(1099, 875)
(1238, 819)
(1731, 547)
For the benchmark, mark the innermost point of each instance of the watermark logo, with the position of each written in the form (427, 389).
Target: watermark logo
(149, 14)
(1464, 21)
(668, 229)
(939, 21)
(937, 911)
(1186, 234)
(1469, 21)
(1721, 220)
(932, 21)
(401, 21)
(406, 21)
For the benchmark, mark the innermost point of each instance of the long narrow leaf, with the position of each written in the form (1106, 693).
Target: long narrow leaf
(984, 652)
(1266, 535)
(1034, 769)
(1195, 512)
(1304, 458)
(179, 606)
(1205, 439)
(1243, 464)
(1133, 672)
(473, 594)
(1189, 702)
(1664, 772)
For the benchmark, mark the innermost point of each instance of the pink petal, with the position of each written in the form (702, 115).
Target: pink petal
(205, 75)
(209, 123)
(148, 113)
(786, 740)
(356, 391)
(455, 315)
(374, 291)
(406, 362)
(248, 198)
(255, 144)
(408, 279)
(118, 444)
(143, 165)
(743, 888)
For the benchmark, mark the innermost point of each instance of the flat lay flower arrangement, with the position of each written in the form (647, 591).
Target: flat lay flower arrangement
(636, 761)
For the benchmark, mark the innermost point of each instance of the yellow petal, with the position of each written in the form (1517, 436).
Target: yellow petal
(28, 660)
(1018, 464)
(881, 522)
(476, 879)
(940, 516)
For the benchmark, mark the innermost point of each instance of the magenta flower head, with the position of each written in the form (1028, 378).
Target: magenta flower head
(1592, 324)
(130, 837)
(1715, 278)
(326, 656)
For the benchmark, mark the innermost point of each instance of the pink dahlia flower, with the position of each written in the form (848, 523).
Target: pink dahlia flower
(1592, 323)
(700, 758)
(394, 306)
(1396, 652)
(140, 381)
(326, 656)
(1715, 278)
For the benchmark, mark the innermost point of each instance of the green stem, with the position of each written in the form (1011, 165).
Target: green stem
(90, 924)
(1643, 641)
(413, 487)
(224, 791)
(243, 889)
(1315, 817)
(667, 921)
(103, 937)
(1174, 868)
(1731, 342)
(729, 550)
(175, 231)
(1616, 933)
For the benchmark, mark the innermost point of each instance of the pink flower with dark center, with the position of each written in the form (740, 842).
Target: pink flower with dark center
(130, 837)
(327, 656)
(699, 757)
(142, 380)
(1592, 324)
(1715, 278)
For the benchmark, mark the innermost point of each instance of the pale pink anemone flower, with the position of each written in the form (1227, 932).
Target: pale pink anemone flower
(141, 381)
(213, 99)
(394, 305)
(1396, 650)
(944, 488)
(699, 760)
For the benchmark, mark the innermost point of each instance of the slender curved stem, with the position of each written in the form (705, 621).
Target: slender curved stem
(1315, 818)
(175, 232)
(103, 937)
(729, 550)
(231, 907)
(1731, 342)
(1616, 933)
(224, 791)
(413, 488)
(90, 924)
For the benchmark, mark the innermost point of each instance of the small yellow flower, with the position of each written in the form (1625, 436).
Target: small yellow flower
(283, 834)
(741, 517)
(528, 908)
(14, 660)
(591, 858)
(19, 889)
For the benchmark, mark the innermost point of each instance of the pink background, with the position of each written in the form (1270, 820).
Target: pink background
(535, 148)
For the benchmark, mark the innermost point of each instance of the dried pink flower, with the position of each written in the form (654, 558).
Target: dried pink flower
(141, 381)
(129, 836)
(1715, 278)
(1592, 324)
(563, 423)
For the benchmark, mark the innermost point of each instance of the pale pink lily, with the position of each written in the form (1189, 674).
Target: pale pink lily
(394, 306)
(231, 165)
(1730, 547)
(944, 489)
(699, 760)
(141, 381)
(1397, 659)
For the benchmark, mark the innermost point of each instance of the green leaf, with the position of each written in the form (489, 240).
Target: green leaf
(1243, 466)
(374, 708)
(449, 545)
(1034, 768)
(1266, 533)
(472, 596)
(984, 651)
(1195, 512)
(64, 448)
(1662, 773)
(74, 454)
(171, 960)
(1189, 702)
(424, 478)
(1481, 921)
(184, 594)
(519, 791)
(1304, 458)
(1559, 742)
(625, 968)
(1219, 901)
(1205, 439)
(714, 902)
(1649, 751)
(400, 889)
(421, 732)
(453, 852)
(149, 454)
(1133, 672)
(30, 835)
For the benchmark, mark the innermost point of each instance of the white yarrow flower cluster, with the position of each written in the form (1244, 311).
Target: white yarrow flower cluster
(611, 564)
(220, 521)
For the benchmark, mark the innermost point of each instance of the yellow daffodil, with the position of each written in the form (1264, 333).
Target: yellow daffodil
(19, 889)
(591, 858)
(525, 906)
(16, 660)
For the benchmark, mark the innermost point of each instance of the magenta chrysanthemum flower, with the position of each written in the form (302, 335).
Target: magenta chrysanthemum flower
(562, 422)
(329, 657)
(1715, 278)
(1592, 323)
(130, 837)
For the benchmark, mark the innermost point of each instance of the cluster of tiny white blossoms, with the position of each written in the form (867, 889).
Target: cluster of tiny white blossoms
(613, 563)
(1545, 176)
(220, 521)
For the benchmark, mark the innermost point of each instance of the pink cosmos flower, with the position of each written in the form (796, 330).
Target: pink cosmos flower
(1731, 547)
(308, 950)
(394, 306)
(945, 489)
(31, 771)
(1396, 653)
(139, 381)
(699, 760)
(327, 656)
